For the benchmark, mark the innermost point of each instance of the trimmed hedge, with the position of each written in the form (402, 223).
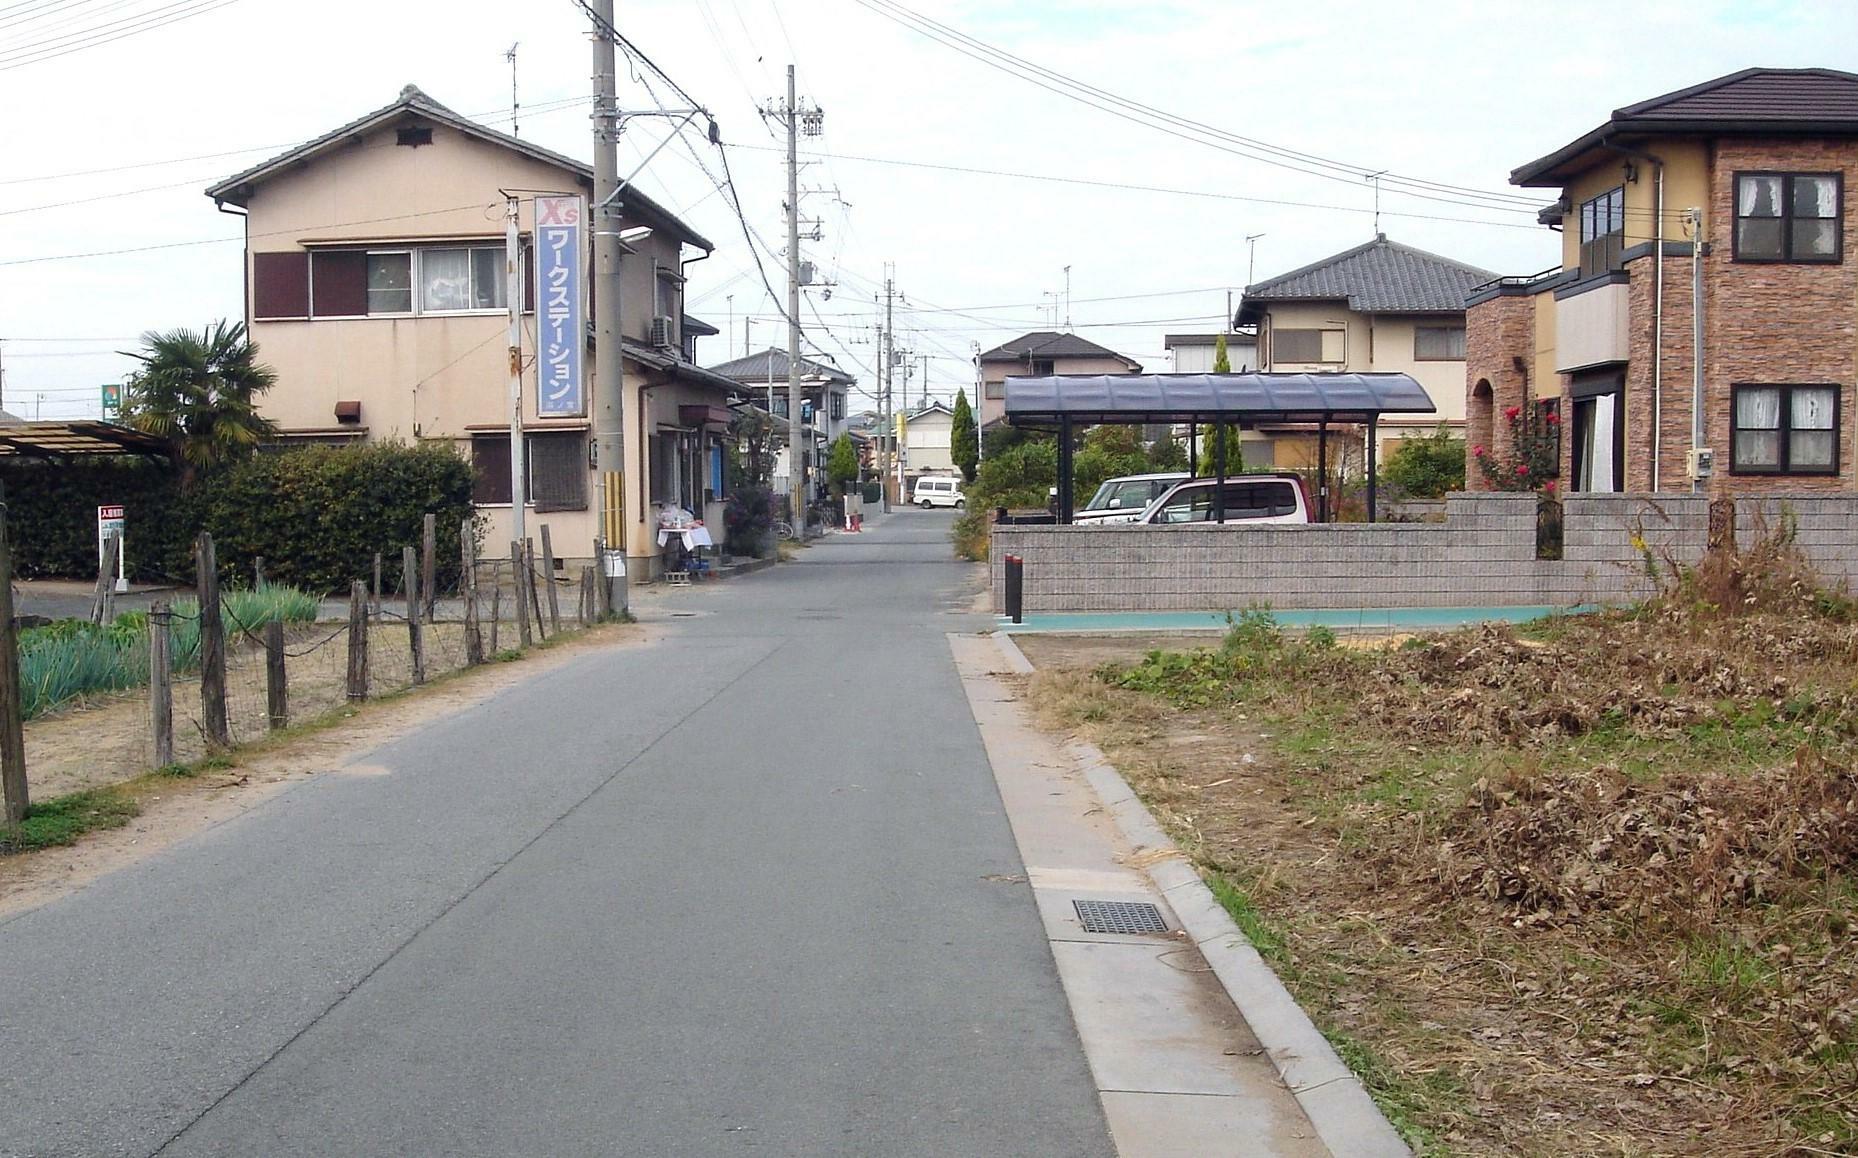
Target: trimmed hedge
(316, 515)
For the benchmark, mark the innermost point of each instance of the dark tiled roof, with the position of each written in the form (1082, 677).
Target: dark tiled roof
(1381, 277)
(757, 367)
(1763, 94)
(1044, 344)
(699, 327)
(1753, 101)
(237, 188)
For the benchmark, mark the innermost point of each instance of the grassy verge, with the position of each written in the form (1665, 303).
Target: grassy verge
(63, 819)
(1585, 887)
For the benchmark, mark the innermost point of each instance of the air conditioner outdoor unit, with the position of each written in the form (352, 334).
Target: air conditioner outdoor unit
(664, 332)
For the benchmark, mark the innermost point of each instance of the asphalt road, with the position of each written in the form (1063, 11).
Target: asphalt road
(725, 895)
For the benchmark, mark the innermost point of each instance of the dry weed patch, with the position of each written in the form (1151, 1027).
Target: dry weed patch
(1584, 887)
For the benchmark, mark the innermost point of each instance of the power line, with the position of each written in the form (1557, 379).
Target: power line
(23, 57)
(1126, 187)
(1182, 127)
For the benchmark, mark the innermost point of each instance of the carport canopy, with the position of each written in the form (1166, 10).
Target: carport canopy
(1064, 402)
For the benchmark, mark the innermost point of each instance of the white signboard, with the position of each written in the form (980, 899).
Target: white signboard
(110, 522)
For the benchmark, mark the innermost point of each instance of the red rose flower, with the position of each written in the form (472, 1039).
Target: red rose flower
(1549, 486)
(1552, 418)
(1477, 452)
(1510, 412)
(1521, 469)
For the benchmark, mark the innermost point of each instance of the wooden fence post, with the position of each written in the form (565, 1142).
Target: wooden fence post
(415, 634)
(588, 615)
(535, 595)
(212, 647)
(467, 579)
(603, 592)
(375, 611)
(258, 573)
(161, 680)
(103, 599)
(548, 578)
(496, 602)
(277, 690)
(12, 722)
(517, 571)
(428, 569)
(358, 640)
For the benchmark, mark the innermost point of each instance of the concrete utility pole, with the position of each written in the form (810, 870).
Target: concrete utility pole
(885, 374)
(513, 289)
(609, 360)
(796, 458)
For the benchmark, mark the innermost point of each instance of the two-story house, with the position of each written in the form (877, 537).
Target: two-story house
(823, 390)
(375, 287)
(1036, 355)
(1600, 352)
(1382, 307)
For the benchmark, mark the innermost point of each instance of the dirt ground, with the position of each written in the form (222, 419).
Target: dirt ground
(1491, 1021)
(102, 744)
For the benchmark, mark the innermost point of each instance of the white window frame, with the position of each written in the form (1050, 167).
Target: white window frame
(414, 260)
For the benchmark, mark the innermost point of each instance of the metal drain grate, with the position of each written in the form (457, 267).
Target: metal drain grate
(1128, 917)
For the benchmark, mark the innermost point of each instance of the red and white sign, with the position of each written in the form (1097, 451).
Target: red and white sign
(110, 522)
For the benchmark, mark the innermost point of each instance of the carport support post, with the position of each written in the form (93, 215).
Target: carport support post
(1371, 452)
(1219, 467)
(1193, 449)
(1322, 471)
(1065, 464)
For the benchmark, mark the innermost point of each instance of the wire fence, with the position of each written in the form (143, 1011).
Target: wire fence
(128, 694)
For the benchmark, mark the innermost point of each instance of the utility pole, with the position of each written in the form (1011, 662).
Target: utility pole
(609, 362)
(514, 107)
(886, 373)
(513, 290)
(796, 468)
(925, 358)
(1067, 309)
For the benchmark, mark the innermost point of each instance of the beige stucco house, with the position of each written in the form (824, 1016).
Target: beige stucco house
(927, 435)
(374, 286)
(1036, 355)
(1379, 307)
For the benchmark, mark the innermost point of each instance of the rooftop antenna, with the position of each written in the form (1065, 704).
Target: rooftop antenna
(511, 57)
(1067, 298)
(1251, 257)
(1375, 178)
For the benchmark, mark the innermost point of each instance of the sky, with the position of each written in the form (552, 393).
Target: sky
(977, 187)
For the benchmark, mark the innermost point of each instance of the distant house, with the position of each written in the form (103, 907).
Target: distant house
(1602, 343)
(1037, 354)
(374, 276)
(823, 389)
(927, 436)
(1194, 353)
(1379, 307)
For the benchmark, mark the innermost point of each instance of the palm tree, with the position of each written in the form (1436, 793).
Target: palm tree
(199, 391)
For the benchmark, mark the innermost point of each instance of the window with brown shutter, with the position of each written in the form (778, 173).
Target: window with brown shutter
(281, 285)
(339, 284)
(490, 462)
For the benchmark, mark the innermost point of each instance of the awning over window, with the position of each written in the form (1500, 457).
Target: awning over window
(1244, 398)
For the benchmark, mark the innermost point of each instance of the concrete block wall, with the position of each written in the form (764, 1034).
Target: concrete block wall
(1483, 555)
(1825, 529)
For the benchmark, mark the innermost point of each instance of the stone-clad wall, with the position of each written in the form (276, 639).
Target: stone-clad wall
(1483, 555)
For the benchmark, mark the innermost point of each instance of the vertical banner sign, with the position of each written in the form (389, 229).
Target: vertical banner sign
(561, 319)
(110, 522)
(112, 401)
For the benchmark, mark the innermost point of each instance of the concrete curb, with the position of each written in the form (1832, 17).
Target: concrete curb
(1345, 1117)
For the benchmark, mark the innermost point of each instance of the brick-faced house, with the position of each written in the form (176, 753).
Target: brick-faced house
(1756, 164)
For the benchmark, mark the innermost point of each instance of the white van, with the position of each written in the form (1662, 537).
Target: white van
(939, 492)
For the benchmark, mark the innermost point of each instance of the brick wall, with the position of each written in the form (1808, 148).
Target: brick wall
(1674, 414)
(1773, 322)
(1497, 332)
(1483, 555)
